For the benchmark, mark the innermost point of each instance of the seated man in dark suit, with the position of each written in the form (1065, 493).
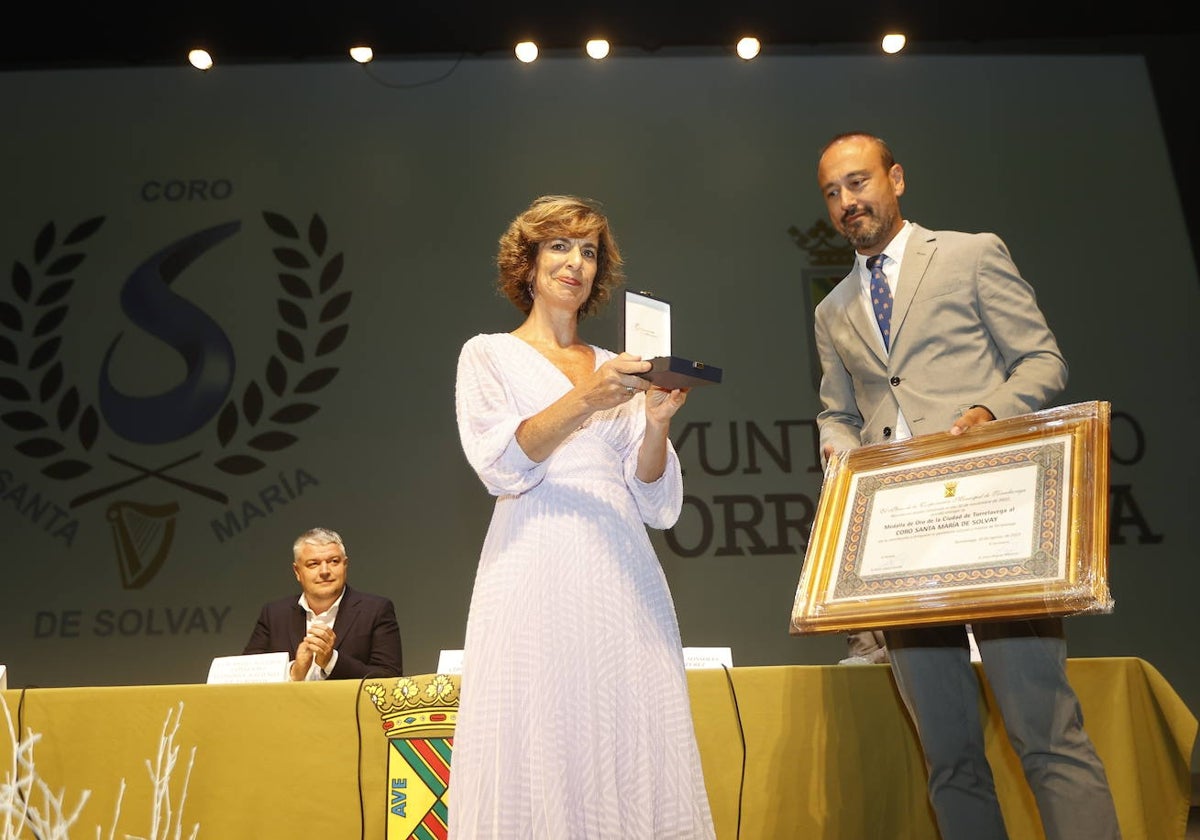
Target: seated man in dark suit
(367, 639)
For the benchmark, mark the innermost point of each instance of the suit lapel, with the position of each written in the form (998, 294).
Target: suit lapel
(856, 314)
(347, 614)
(296, 627)
(920, 250)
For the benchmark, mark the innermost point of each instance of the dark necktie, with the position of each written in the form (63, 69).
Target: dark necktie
(881, 299)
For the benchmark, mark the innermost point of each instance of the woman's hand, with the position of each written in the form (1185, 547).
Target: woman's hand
(615, 382)
(612, 384)
(662, 404)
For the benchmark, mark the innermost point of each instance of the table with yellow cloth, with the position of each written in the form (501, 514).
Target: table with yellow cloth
(830, 753)
(788, 751)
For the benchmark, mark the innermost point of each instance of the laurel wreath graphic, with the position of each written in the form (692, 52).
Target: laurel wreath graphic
(47, 413)
(313, 328)
(57, 425)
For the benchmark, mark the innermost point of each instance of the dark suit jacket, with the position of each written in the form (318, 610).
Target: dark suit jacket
(368, 636)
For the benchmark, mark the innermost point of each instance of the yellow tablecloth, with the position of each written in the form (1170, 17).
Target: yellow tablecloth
(828, 753)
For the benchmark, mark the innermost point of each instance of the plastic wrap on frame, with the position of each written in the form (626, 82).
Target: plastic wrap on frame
(1006, 521)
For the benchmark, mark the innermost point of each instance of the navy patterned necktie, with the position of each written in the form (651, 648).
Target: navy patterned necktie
(881, 299)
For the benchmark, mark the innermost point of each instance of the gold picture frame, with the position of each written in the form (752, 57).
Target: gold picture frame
(1008, 520)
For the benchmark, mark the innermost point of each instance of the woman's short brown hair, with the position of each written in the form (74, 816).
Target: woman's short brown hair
(552, 217)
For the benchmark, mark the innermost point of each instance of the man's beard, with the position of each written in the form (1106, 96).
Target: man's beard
(869, 231)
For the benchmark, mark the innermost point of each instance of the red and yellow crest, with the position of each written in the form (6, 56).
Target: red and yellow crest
(418, 714)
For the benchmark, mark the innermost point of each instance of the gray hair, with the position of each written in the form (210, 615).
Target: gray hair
(317, 536)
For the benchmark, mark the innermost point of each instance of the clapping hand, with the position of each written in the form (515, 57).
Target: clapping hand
(316, 646)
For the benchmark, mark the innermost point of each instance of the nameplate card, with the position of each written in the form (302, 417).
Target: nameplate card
(695, 658)
(450, 662)
(250, 668)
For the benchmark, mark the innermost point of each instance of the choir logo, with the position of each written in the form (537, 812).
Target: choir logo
(94, 436)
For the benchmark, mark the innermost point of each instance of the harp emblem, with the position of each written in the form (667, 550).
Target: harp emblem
(142, 534)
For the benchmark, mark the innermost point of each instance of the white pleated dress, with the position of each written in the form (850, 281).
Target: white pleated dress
(574, 721)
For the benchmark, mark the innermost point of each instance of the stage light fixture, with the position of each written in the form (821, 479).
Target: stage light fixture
(597, 48)
(527, 51)
(200, 59)
(893, 42)
(361, 54)
(748, 48)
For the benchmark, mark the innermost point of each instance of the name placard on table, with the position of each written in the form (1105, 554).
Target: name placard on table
(249, 668)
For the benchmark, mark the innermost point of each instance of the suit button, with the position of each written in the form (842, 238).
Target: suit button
(895, 380)
(887, 431)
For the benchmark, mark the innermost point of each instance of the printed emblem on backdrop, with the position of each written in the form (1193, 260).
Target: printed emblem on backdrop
(830, 259)
(90, 446)
(419, 714)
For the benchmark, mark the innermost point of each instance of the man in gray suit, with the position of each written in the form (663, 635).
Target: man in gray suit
(959, 340)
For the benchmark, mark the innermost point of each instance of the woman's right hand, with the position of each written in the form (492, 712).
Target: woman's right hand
(615, 382)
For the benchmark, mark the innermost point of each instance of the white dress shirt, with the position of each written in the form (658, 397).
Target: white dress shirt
(315, 672)
(892, 255)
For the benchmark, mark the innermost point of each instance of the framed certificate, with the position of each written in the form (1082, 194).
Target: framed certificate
(1008, 520)
(646, 332)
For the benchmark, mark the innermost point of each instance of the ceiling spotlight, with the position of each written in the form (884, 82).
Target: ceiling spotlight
(747, 48)
(597, 48)
(362, 54)
(893, 43)
(527, 51)
(200, 59)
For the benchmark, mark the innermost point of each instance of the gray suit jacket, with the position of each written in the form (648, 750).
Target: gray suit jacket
(966, 330)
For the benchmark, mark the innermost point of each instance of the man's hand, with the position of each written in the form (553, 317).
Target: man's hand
(973, 416)
(317, 647)
(302, 661)
(320, 641)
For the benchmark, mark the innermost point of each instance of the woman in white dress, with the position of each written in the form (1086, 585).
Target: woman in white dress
(574, 720)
